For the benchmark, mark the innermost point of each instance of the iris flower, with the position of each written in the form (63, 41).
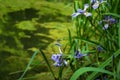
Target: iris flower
(108, 20)
(58, 59)
(96, 3)
(80, 11)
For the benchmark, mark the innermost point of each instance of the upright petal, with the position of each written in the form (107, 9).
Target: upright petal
(86, 6)
(101, 1)
(93, 1)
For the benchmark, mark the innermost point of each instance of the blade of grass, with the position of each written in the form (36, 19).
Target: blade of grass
(46, 60)
(103, 65)
(118, 70)
(88, 41)
(60, 72)
(80, 71)
(70, 37)
(33, 56)
(119, 33)
(76, 5)
(113, 14)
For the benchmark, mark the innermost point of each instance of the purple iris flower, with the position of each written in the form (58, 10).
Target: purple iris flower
(80, 11)
(108, 20)
(79, 55)
(58, 59)
(96, 3)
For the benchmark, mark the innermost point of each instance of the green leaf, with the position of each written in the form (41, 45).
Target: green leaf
(86, 69)
(103, 65)
(119, 33)
(70, 37)
(118, 68)
(113, 14)
(28, 66)
(46, 60)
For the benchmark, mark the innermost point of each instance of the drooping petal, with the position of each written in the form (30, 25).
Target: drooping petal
(87, 14)
(79, 55)
(86, 6)
(75, 14)
(105, 27)
(96, 5)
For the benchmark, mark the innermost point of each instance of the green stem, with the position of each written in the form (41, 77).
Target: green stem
(46, 60)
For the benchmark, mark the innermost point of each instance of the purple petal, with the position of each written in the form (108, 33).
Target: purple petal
(87, 14)
(96, 5)
(112, 21)
(56, 57)
(80, 11)
(75, 14)
(86, 6)
(93, 1)
(107, 17)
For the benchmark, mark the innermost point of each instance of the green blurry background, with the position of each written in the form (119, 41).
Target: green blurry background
(26, 25)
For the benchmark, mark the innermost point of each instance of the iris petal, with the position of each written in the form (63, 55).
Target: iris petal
(96, 5)
(86, 6)
(80, 11)
(87, 14)
(105, 26)
(75, 14)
